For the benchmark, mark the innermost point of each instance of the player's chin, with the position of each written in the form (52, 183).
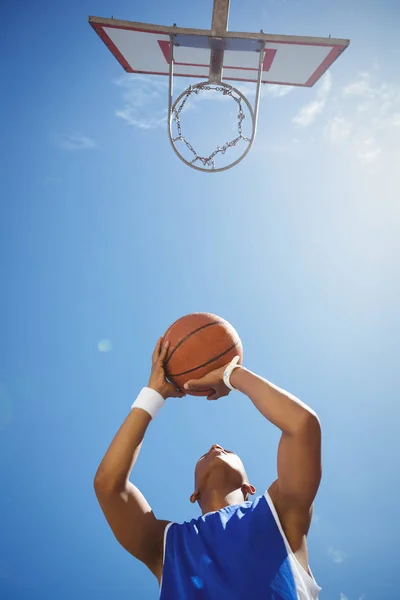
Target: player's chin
(217, 459)
(213, 460)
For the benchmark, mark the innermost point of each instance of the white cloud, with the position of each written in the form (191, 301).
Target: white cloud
(310, 111)
(365, 106)
(364, 118)
(76, 141)
(325, 86)
(104, 346)
(367, 120)
(382, 98)
(338, 129)
(369, 151)
(336, 555)
(144, 123)
(145, 101)
(358, 88)
(343, 597)
(388, 122)
(386, 94)
(277, 91)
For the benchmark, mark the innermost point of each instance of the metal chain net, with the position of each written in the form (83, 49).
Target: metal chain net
(209, 160)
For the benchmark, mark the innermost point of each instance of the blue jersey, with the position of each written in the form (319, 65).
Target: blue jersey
(239, 552)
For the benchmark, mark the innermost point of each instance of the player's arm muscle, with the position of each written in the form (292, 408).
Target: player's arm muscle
(299, 466)
(124, 506)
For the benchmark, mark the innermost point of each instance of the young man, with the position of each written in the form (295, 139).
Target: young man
(239, 549)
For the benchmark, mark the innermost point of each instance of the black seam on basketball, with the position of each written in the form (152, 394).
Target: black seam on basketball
(204, 364)
(188, 336)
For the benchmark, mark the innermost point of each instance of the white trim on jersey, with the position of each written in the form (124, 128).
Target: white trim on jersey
(306, 585)
(164, 545)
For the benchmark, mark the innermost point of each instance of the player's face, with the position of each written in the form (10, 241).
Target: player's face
(218, 458)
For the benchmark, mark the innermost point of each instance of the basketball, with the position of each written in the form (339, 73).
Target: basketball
(199, 343)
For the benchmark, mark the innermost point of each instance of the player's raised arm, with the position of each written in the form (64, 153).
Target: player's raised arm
(124, 506)
(299, 453)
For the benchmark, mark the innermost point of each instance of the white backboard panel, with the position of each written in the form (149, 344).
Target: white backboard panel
(288, 60)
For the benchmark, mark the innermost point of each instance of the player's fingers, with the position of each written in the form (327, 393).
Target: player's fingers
(156, 352)
(176, 393)
(217, 394)
(196, 384)
(163, 351)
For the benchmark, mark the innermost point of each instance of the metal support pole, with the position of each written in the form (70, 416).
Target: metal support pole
(171, 88)
(220, 17)
(219, 27)
(258, 90)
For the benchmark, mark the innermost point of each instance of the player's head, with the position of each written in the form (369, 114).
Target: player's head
(220, 470)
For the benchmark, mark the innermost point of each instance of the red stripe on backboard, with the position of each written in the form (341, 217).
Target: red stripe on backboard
(112, 47)
(332, 56)
(268, 59)
(165, 49)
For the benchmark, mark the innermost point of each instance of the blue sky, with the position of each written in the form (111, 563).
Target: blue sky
(107, 237)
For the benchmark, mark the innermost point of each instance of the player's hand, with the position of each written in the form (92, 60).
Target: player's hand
(213, 380)
(158, 381)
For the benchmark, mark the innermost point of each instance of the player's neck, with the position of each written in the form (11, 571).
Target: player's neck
(212, 499)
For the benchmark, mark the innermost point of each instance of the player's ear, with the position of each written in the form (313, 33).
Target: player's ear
(248, 490)
(195, 496)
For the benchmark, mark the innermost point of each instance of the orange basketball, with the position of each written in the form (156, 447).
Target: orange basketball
(199, 343)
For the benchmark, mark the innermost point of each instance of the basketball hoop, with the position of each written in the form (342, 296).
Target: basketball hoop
(207, 163)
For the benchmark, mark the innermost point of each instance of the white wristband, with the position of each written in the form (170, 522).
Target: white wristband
(228, 371)
(150, 401)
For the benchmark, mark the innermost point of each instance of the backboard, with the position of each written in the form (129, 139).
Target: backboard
(217, 56)
(287, 60)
